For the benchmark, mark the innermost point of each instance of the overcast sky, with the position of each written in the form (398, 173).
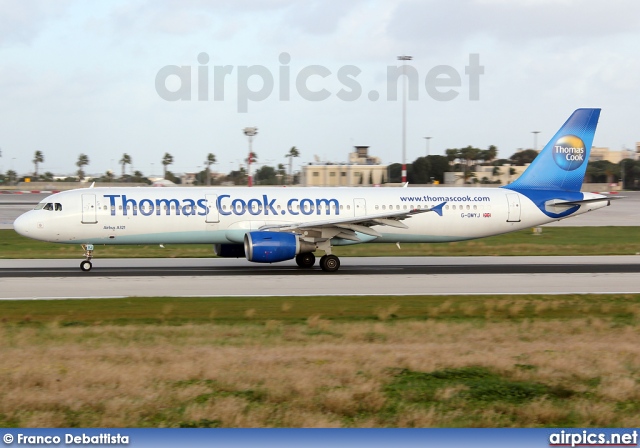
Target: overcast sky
(80, 77)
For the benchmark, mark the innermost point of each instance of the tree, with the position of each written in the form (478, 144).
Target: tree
(520, 158)
(452, 154)
(468, 177)
(395, 173)
(253, 158)
(470, 155)
(602, 171)
(467, 157)
(83, 160)
(421, 171)
(211, 159)
(629, 170)
(439, 166)
(166, 161)
(124, 161)
(108, 176)
(293, 152)
(38, 158)
(172, 177)
(266, 176)
(238, 177)
(139, 177)
(496, 172)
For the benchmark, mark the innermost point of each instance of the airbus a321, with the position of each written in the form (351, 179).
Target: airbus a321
(268, 225)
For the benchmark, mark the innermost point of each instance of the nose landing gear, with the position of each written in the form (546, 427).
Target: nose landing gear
(86, 265)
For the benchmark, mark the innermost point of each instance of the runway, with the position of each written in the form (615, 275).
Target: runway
(56, 279)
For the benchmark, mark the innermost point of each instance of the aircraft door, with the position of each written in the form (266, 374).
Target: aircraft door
(213, 214)
(89, 209)
(359, 207)
(514, 207)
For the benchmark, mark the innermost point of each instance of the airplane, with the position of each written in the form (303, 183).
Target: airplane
(268, 225)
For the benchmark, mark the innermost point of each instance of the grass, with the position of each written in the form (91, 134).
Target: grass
(552, 241)
(417, 361)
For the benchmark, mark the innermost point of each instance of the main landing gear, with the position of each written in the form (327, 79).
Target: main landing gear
(328, 263)
(306, 260)
(86, 265)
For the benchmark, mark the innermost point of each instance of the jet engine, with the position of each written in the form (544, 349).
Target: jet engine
(271, 247)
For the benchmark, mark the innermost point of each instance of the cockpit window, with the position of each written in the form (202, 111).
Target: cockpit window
(49, 206)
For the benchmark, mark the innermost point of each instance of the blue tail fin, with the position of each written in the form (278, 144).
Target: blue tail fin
(563, 161)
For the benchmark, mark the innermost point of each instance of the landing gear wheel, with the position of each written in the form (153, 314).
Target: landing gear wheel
(86, 265)
(306, 260)
(330, 263)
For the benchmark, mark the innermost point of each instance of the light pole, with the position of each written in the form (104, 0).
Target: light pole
(250, 132)
(427, 139)
(535, 140)
(404, 58)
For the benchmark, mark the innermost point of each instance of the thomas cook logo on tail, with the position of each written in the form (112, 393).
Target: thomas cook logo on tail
(569, 152)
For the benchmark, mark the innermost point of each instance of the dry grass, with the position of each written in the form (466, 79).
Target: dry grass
(318, 373)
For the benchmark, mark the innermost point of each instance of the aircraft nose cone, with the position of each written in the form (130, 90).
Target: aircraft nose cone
(23, 224)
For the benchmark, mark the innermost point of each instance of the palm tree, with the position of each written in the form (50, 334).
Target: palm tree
(253, 156)
(37, 158)
(211, 159)
(124, 161)
(293, 152)
(488, 155)
(83, 160)
(166, 161)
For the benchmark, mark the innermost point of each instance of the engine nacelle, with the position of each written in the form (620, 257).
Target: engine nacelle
(271, 247)
(229, 250)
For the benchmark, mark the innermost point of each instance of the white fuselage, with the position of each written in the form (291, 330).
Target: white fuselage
(222, 215)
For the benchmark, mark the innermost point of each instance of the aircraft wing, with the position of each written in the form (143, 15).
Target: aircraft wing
(346, 228)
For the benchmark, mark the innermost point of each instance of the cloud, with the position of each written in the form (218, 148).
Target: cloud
(22, 21)
(515, 21)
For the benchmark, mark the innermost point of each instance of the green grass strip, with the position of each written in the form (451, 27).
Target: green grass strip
(259, 310)
(552, 241)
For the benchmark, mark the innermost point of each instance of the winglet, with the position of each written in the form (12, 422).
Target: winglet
(437, 208)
